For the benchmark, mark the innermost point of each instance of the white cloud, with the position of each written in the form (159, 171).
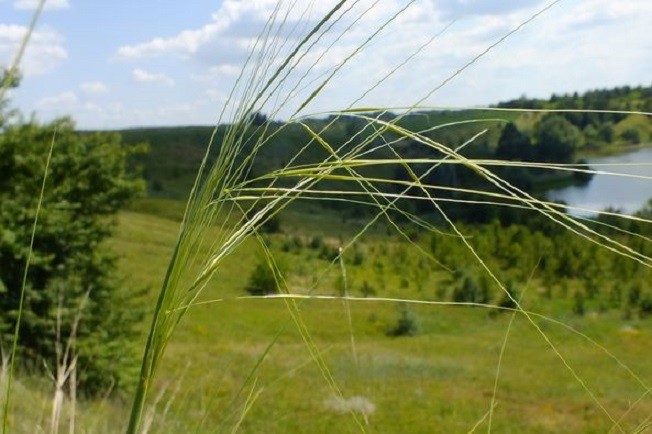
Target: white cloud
(184, 44)
(222, 46)
(225, 69)
(49, 4)
(217, 73)
(44, 52)
(215, 95)
(458, 8)
(94, 87)
(150, 77)
(573, 46)
(92, 108)
(187, 42)
(236, 21)
(62, 100)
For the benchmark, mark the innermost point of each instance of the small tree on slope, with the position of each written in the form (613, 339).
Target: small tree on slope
(89, 180)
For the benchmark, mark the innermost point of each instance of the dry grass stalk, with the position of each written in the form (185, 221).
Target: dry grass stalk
(66, 370)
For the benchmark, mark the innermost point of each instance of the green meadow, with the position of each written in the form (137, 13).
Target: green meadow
(486, 309)
(219, 370)
(367, 269)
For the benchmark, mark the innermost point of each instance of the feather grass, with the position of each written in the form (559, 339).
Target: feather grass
(7, 83)
(14, 345)
(225, 188)
(226, 197)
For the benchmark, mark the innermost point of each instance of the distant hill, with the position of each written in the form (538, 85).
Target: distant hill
(174, 157)
(176, 152)
(598, 129)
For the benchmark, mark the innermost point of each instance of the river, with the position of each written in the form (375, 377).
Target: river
(624, 193)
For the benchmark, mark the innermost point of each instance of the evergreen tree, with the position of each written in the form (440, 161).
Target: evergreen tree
(263, 280)
(89, 180)
(556, 139)
(513, 144)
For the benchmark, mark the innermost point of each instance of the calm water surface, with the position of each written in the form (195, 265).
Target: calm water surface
(625, 193)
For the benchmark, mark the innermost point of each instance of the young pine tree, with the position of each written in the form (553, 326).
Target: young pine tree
(89, 180)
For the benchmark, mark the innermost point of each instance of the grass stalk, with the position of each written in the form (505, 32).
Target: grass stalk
(197, 218)
(12, 73)
(501, 355)
(14, 345)
(221, 189)
(347, 308)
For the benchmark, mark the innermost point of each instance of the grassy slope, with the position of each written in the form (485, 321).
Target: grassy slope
(440, 380)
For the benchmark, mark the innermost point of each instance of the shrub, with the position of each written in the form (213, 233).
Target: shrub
(631, 135)
(583, 177)
(263, 278)
(578, 303)
(358, 255)
(645, 305)
(89, 180)
(293, 244)
(316, 242)
(406, 324)
(466, 290)
(271, 225)
(328, 253)
(297, 242)
(634, 293)
(507, 301)
(367, 290)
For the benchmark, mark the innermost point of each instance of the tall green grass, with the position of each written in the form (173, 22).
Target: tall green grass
(225, 188)
(228, 205)
(10, 77)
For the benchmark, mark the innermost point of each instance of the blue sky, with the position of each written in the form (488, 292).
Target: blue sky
(131, 63)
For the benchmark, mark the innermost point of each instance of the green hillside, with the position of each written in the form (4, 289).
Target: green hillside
(176, 152)
(441, 377)
(573, 360)
(601, 132)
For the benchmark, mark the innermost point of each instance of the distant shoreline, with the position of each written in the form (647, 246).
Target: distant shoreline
(612, 150)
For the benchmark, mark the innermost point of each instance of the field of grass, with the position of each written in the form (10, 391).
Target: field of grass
(220, 367)
(368, 340)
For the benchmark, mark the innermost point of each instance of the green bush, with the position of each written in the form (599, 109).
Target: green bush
(466, 290)
(358, 255)
(631, 135)
(270, 225)
(367, 289)
(645, 305)
(263, 278)
(578, 303)
(406, 323)
(328, 253)
(507, 301)
(89, 180)
(316, 242)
